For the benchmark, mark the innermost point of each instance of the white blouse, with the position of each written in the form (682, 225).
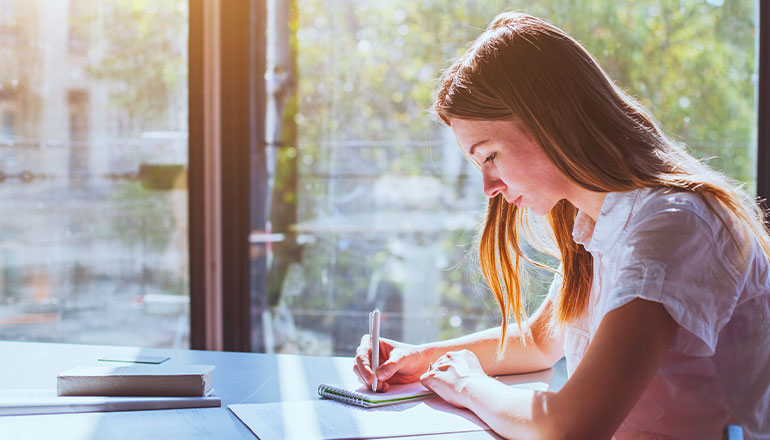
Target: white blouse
(671, 248)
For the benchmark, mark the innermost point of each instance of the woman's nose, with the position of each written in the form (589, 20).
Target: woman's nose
(492, 186)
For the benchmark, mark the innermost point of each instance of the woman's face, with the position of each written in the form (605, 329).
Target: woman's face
(512, 164)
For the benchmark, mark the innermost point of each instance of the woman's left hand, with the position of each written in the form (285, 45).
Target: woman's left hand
(451, 373)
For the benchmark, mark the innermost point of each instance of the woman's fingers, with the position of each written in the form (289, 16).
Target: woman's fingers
(363, 352)
(362, 366)
(387, 369)
(393, 360)
(358, 373)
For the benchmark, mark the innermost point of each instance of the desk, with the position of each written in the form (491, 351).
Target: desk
(238, 378)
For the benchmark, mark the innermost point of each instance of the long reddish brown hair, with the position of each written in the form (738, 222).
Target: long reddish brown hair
(526, 70)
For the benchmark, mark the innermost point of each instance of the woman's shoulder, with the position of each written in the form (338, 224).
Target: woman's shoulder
(672, 217)
(667, 205)
(662, 199)
(689, 219)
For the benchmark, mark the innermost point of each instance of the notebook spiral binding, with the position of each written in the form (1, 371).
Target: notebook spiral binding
(342, 395)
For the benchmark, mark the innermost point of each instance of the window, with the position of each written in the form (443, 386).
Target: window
(7, 126)
(79, 31)
(7, 13)
(377, 205)
(78, 136)
(93, 155)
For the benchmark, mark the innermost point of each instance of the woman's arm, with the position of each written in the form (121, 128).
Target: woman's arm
(403, 363)
(541, 352)
(619, 364)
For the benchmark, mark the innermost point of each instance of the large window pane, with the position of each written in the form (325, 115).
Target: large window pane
(93, 155)
(386, 206)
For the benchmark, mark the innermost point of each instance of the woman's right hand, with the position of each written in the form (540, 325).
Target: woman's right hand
(399, 363)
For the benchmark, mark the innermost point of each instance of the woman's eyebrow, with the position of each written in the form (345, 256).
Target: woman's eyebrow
(473, 147)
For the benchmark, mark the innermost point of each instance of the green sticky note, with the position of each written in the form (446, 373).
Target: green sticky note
(135, 359)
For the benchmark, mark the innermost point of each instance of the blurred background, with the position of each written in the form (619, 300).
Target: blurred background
(371, 203)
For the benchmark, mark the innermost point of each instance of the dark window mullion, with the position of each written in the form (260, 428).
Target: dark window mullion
(241, 188)
(242, 73)
(195, 176)
(763, 102)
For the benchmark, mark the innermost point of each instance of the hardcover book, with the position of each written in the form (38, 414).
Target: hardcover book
(143, 380)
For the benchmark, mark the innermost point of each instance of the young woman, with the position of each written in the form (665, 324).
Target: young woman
(662, 305)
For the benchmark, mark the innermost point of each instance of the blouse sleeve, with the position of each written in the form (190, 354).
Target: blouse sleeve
(676, 258)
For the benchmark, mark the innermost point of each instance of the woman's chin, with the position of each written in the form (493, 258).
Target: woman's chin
(539, 209)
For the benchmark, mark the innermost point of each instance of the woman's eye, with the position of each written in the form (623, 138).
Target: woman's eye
(490, 158)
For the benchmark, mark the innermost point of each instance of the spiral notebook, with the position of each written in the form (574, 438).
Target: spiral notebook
(361, 396)
(356, 394)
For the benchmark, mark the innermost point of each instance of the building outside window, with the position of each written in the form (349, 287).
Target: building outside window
(93, 153)
(7, 126)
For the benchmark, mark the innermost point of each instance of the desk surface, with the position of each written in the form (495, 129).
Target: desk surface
(238, 378)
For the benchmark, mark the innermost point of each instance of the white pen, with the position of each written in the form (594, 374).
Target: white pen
(374, 337)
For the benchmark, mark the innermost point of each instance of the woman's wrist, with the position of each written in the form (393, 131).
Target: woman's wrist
(433, 350)
(474, 389)
(429, 352)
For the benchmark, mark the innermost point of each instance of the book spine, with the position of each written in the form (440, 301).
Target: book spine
(162, 386)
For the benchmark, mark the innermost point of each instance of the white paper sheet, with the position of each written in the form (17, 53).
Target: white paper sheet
(202, 424)
(330, 420)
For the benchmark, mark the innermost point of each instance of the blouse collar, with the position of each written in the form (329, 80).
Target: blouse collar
(600, 235)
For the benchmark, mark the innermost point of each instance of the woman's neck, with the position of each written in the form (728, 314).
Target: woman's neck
(590, 202)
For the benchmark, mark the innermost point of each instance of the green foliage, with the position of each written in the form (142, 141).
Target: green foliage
(140, 217)
(367, 71)
(142, 51)
(690, 63)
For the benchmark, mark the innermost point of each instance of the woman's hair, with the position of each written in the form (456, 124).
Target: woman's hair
(526, 70)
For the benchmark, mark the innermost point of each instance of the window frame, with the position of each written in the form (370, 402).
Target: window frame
(763, 102)
(228, 176)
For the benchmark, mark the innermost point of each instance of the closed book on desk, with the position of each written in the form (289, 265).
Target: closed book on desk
(147, 381)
